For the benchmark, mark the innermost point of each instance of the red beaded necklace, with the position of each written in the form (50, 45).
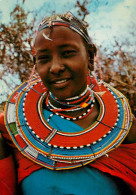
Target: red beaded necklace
(84, 100)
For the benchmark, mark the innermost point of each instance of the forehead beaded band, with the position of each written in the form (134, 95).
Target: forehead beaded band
(67, 20)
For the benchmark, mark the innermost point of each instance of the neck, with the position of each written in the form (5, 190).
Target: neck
(74, 108)
(78, 102)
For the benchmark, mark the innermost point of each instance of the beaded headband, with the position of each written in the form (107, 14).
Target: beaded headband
(67, 20)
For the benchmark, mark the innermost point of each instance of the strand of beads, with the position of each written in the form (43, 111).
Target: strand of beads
(74, 101)
(85, 100)
(89, 110)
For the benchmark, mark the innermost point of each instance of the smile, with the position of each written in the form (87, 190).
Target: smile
(61, 83)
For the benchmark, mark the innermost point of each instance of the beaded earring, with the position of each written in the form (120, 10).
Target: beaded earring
(31, 76)
(89, 72)
(99, 80)
(41, 85)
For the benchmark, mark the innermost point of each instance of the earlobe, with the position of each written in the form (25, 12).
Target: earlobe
(91, 57)
(91, 63)
(90, 66)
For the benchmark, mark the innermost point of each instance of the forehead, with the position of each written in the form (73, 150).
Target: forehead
(59, 35)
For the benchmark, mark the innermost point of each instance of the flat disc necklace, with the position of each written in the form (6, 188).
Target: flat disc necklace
(55, 149)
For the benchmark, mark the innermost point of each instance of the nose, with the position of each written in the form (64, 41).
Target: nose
(56, 65)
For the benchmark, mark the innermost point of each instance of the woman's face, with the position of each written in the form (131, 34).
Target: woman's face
(62, 63)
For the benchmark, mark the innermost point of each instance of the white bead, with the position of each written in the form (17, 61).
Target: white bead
(68, 148)
(81, 146)
(88, 145)
(61, 147)
(55, 146)
(105, 135)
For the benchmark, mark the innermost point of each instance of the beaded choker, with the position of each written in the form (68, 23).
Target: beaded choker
(81, 101)
(85, 100)
(55, 149)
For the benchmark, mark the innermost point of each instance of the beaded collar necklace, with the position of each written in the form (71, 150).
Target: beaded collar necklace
(55, 149)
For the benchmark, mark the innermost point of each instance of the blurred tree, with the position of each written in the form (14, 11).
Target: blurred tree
(82, 10)
(119, 69)
(16, 44)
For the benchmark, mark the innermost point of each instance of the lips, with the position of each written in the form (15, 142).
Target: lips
(60, 83)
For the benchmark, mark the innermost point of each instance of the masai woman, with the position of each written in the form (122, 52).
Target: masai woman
(65, 132)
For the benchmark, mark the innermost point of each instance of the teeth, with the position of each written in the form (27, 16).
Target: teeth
(62, 81)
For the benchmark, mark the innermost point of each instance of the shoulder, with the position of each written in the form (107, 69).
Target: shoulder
(2, 121)
(131, 137)
(3, 129)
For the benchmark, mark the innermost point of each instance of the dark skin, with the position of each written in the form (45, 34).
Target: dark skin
(63, 67)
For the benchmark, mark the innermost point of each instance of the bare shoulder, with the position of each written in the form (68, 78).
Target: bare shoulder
(2, 126)
(131, 137)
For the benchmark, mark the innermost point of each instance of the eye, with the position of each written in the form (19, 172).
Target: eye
(68, 53)
(43, 58)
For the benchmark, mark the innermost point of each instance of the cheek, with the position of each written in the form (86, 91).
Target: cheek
(42, 71)
(82, 68)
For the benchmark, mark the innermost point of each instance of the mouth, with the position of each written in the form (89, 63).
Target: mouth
(61, 83)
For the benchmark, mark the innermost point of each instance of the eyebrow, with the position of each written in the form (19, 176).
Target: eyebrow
(42, 50)
(67, 45)
(61, 47)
